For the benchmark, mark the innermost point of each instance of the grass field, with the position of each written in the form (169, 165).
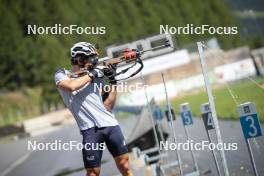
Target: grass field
(225, 106)
(19, 105)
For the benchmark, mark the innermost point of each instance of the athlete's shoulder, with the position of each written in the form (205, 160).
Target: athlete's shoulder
(60, 70)
(60, 74)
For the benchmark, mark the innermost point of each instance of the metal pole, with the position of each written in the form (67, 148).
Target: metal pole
(162, 139)
(212, 105)
(151, 116)
(171, 124)
(159, 129)
(165, 160)
(192, 154)
(214, 156)
(251, 158)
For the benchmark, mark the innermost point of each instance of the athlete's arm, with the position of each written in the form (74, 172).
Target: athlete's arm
(109, 102)
(74, 84)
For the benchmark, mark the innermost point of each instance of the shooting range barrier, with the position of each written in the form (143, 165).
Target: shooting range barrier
(157, 160)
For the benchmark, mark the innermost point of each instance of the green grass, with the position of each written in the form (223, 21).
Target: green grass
(122, 115)
(245, 91)
(19, 105)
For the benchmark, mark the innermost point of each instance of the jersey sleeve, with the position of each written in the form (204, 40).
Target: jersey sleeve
(59, 76)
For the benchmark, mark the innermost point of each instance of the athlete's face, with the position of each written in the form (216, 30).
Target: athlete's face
(88, 65)
(82, 62)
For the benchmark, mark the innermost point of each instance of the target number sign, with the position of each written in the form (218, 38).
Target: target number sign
(168, 114)
(207, 116)
(186, 114)
(249, 120)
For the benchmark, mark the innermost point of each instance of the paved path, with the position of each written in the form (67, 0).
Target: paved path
(16, 160)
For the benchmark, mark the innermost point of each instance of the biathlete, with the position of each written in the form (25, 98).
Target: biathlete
(92, 110)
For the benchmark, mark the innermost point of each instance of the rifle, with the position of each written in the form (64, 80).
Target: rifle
(128, 56)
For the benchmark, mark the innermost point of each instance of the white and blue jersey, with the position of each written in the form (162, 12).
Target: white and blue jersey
(86, 104)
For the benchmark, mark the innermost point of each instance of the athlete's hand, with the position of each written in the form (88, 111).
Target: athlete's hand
(110, 72)
(96, 73)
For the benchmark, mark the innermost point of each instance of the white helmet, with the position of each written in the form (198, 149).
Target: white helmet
(83, 49)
